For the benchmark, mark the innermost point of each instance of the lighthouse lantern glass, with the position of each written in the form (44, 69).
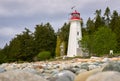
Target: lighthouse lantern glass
(75, 15)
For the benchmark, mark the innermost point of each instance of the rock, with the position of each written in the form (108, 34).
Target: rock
(105, 76)
(84, 75)
(38, 67)
(93, 57)
(106, 60)
(63, 76)
(112, 66)
(84, 66)
(18, 75)
(30, 70)
(91, 67)
(2, 70)
(80, 71)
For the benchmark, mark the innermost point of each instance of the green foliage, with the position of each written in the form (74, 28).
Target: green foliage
(21, 47)
(63, 34)
(25, 46)
(57, 51)
(100, 42)
(2, 56)
(109, 20)
(107, 15)
(104, 40)
(44, 55)
(90, 26)
(115, 26)
(45, 38)
(99, 21)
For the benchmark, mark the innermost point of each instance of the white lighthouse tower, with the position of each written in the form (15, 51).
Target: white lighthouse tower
(75, 35)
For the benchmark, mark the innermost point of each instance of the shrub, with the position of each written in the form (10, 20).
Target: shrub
(44, 55)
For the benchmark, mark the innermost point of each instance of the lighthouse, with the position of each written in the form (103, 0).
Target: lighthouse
(75, 35)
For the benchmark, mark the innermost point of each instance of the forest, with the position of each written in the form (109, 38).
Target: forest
(100, 35)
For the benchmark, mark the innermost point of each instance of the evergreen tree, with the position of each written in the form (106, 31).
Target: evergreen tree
(58, 42)
(3, 54)
(107, 15)
(45, 38)
(103, 41)
(21, 47)
(99, 21)
(100, 42)
(115, 26)
(63, 33)
(90, 26)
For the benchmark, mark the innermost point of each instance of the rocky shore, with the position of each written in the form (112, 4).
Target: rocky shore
(68, 70)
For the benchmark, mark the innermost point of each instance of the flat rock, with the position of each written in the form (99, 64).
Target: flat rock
(105, 76)
(112, 66)
(63, 76)
(84, 75)
(18, 75)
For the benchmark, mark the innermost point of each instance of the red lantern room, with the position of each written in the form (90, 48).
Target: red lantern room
(75, 15)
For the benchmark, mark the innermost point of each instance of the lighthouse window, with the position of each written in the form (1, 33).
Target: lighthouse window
(77, 33)
(75, 15)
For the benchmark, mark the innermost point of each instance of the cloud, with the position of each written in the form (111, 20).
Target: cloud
(30, 7)
(6, 32)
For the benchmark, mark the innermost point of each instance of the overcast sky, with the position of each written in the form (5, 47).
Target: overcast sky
(15, 15)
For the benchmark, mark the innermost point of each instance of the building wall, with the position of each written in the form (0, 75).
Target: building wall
(74, 36)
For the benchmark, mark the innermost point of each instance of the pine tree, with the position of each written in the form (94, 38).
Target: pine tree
(90, 26)
(58, 42)
(107, 15)
(45, 38)
(63, 33)
(99, 21)
(103, 41)
(21, 47)
(115, 26)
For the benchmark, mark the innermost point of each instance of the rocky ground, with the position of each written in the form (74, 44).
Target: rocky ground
(67, 70)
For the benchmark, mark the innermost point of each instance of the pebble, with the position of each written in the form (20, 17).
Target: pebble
(50, 69)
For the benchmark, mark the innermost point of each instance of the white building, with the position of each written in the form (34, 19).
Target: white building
(75, 35)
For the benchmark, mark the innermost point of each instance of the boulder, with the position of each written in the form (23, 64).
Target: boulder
(64, 75)
(106, 60)
(112, 66)
(18, 75)
(105, 76)
(2, 70)
(84, 75)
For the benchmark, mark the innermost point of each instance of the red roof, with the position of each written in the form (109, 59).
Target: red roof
(75, 12)
(75, 15)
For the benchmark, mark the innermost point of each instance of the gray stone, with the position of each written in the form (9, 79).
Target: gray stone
(30, 70)
(106, 60)
(92, 67)
(105, 76)
(63, 76)
(2, 70)
(112, 66)
(84, 75)
(93, 57)
(80, 71)
(85, 66)
(18, 75)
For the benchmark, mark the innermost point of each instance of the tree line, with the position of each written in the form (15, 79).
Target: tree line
(27, 45)
(100, 35)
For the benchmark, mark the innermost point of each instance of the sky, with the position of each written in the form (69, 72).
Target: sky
(15, 15)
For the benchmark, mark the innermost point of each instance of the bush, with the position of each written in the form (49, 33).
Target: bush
(44, 55)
